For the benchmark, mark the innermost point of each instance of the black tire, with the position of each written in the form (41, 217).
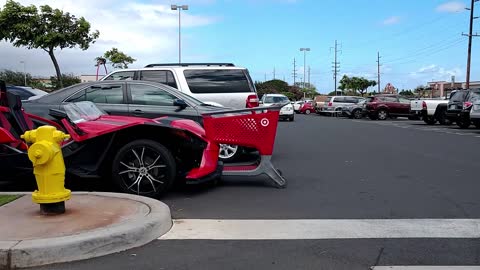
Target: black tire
(430, 120)
(463, 123)
(477, 124)
(292, 118)
(357, 114)
(382, 114)
(131, 174)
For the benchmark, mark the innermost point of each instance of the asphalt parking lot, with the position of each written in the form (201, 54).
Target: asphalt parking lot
(338, 170)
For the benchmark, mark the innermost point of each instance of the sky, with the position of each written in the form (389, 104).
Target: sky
(418, 40)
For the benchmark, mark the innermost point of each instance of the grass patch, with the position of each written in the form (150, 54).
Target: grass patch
(4, 199)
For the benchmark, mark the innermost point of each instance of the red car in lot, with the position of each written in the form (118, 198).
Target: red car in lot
(382, 107)
(307, 108)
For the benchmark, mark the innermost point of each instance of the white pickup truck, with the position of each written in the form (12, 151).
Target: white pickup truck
(429, 110)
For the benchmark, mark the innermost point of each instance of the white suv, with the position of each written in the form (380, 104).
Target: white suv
(286, 112)
(221, 84)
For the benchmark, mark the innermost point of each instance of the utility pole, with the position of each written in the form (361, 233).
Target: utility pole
(378, 71)
(274, 73)
(470, 36)
(294, 74)
(265, 79)
(309, 76)
(336, 66)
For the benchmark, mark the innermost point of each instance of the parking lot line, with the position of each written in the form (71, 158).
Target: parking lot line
(426, 267)
(214, 229)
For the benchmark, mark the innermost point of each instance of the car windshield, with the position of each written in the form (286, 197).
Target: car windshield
(276, 99)
(82, 111)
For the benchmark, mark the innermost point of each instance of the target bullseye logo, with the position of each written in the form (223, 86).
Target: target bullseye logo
(264, 122)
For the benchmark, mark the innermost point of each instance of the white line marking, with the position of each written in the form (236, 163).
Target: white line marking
(426, 267)
(323, 229)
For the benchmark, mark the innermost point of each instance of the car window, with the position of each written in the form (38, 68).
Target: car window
(24, 95)
(275, 99)
(458, 96)
(161, 76)
(109, 94)
(143, 94)
(218, 81)
(390, 99)
(404, 100)
(370, 99)
(121, 76)
(474, 96)
(339, 99)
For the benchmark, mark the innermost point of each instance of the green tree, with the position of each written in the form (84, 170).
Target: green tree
(355, 84)
(67, 79)
(15, 77)
(117, 58)
(45, 28)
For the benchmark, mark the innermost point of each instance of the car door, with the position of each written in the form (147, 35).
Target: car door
(110, 97)
(152, 101)
(403, 106)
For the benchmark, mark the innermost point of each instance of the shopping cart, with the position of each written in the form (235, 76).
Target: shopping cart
(252, 128)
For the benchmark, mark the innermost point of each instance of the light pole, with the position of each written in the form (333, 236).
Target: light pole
(24, 72)
(179, 8)
(304, 50)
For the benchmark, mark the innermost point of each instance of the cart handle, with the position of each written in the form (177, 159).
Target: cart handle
(275, 107)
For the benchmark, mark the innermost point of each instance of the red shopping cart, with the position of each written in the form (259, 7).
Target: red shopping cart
(253, 128)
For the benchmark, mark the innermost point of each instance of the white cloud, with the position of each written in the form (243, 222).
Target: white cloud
(451, 7)
(147, 32)
(436, 72)
(391, 20)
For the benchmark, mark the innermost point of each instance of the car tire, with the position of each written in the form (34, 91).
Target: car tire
(131, 174)
(430, 120)
(307, 111)
(463, 123)
(292, 118)
(476, 124)
(372, 117)
(382, 114)
(357, 114)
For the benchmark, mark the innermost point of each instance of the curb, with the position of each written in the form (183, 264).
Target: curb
(95, 243)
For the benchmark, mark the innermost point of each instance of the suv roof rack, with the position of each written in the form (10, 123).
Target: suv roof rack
(190, 64)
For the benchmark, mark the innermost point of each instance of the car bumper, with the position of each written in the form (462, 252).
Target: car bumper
(286, 116)
(286, 113)
(454, 115)
(209, 177)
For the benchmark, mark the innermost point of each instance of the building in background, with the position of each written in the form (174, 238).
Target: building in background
(442, 88)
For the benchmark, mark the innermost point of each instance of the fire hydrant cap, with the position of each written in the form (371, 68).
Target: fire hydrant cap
(40, 153)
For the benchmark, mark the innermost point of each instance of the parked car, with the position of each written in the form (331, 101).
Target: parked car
(384, 106)
(307, 108)
(429, 110)
(286, 112)
(298, 104)
(222, 84)
(131, 98)
(142, 156)
(336, 103)
(475, 113)
(356, 111)
(25, 93)
(460, 105)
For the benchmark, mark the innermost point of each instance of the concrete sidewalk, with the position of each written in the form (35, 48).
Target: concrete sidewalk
(94, 224)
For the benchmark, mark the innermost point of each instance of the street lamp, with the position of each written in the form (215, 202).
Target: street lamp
(304, 50)
(24, 72)
(179, 8)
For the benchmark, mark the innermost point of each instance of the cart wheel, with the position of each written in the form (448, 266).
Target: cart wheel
(144, 167)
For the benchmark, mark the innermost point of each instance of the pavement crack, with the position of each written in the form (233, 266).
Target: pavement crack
(380, 253)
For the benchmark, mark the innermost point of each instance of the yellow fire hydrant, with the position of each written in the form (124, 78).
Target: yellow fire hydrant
(48, 167)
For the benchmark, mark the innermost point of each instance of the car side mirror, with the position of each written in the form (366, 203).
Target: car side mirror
(180, 103)
(58, 114)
